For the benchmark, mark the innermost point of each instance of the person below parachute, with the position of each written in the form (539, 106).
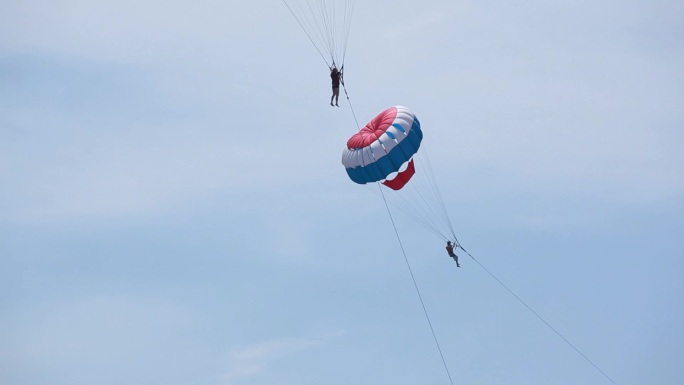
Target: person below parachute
(337, 78)
(450, 250)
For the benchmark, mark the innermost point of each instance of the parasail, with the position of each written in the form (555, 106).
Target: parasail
(382, 147)
(390, 150)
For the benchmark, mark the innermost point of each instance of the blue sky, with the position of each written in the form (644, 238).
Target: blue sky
(173, 208)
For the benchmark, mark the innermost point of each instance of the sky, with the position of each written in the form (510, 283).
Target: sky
(173, 208)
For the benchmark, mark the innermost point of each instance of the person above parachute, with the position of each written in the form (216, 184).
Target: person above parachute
(327, 24)
(337, 77)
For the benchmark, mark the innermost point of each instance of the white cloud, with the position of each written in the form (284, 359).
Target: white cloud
(251, 360)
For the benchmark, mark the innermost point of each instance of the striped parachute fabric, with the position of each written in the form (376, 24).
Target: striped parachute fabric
(382, 147)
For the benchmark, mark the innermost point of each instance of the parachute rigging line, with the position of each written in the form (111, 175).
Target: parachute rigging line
(438, 221)
(326, 24)
(351, 107)
(422, 200)
(306, 32)
(537, 315)
(415, 285)
(349, 10)
(435, 190)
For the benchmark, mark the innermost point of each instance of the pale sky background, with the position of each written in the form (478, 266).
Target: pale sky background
(173, 209)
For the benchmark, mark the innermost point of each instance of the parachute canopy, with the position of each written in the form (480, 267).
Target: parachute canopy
(327, 24)
(382, 147)
(390, 149)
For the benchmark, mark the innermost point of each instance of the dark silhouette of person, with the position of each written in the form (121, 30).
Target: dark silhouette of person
(450, 250)
(336, 76)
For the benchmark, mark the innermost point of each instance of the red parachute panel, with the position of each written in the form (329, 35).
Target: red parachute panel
(372, 131)
(402, 178)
